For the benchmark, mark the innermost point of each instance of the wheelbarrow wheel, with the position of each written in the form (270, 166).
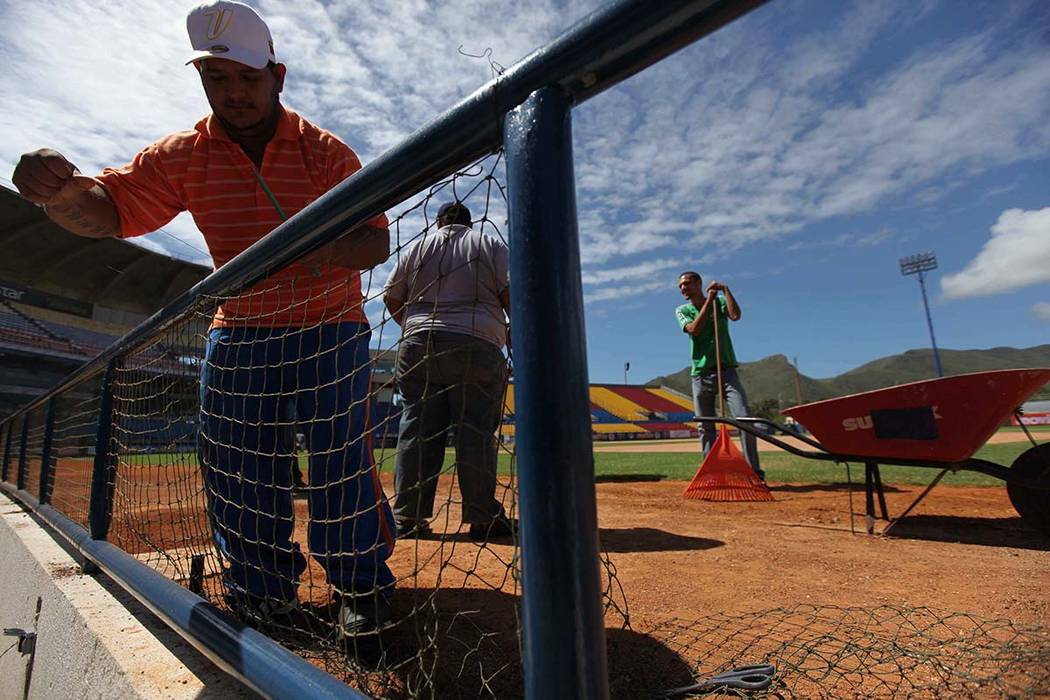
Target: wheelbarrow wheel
(1028, 485)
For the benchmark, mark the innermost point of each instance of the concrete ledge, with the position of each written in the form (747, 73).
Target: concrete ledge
(93, 639)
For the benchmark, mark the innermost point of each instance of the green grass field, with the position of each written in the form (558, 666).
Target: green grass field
(780, 467)
(1033, 429)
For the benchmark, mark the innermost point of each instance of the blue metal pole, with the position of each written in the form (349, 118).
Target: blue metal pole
(20, 477)
(46, 466)
(564, 636)
(10, 429)
(929, 324)
(256, 660)
(100, 507)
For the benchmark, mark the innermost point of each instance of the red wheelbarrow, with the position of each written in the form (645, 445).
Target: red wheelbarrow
(936, 423)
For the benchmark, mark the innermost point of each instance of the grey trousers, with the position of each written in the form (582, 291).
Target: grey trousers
(448, 380)
(705, 394)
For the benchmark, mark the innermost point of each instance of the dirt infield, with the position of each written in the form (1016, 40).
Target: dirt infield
(964, 549)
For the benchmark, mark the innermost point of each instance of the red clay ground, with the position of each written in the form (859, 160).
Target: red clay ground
(963, 549)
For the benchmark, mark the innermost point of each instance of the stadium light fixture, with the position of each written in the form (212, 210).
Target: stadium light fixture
(920, 264)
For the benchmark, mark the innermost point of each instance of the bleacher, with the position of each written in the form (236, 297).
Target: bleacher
(19, 330)
(600, 415)
(616, 404)
(670, 410)
(92, 342)
(684, 403)
(156, 435)
(620, 411)
(385, 419)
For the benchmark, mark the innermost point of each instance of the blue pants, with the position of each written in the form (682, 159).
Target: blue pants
(251, 382)
(705, 393)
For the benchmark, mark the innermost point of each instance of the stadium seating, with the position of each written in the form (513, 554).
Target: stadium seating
(508, 402)
(660, 404)
(606, 428)
(25, 325)
(684, 403)
(18, 329)
(619, 410)
(617, 405)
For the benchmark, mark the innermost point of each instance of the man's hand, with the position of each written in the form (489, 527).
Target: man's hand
(714, 288)
(46, 177)
(361, 249)
(75, 202)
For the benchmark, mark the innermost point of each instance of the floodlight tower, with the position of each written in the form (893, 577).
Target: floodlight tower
(920, 264)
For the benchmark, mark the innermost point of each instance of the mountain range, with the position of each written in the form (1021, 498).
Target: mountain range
(773, 378)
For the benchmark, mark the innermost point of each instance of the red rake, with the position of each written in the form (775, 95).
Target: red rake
(725, 475)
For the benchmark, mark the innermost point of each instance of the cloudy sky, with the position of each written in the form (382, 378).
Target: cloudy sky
(796, 155)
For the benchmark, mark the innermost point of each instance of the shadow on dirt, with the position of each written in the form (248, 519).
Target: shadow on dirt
(626, 478)
(647, 539)
(989, 532)
(641, 666)
(858, 488)
(464, 643)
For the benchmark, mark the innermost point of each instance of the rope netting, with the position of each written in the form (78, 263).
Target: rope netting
(321, 469)
(888, 651)
(347, 486)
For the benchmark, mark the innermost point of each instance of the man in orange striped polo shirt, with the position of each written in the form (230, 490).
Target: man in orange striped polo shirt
(297, 342)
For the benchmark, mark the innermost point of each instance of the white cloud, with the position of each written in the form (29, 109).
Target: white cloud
(757, 132)
(743, 138)
(845, 240)
(1042, 310)
(1017, 255)
(644, 270)
(624, 291)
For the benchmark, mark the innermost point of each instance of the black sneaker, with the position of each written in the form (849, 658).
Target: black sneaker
(269, 615)
(413, 529)
(500, 527)
(363, 614)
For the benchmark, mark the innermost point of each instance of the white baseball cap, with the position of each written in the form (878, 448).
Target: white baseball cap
(230, 30)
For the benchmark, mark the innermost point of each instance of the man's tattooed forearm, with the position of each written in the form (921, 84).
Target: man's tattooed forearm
(71, 216)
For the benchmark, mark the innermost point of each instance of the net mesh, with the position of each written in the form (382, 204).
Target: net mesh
(73, 450)
(262, 466)
(851, 652)
(269, 469)
(30, 466)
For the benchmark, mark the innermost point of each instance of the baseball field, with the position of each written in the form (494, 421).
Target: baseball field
(670, 566)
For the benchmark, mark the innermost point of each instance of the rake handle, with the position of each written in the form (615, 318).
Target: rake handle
(718, 358)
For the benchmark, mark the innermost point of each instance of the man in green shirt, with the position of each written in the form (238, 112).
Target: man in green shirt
(695, 317)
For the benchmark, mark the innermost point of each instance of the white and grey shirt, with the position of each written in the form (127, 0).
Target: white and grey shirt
(450, 280)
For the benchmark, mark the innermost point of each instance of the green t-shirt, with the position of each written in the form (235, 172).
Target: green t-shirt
(704, 343)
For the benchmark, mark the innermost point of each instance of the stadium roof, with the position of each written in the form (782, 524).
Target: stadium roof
(108, 272)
